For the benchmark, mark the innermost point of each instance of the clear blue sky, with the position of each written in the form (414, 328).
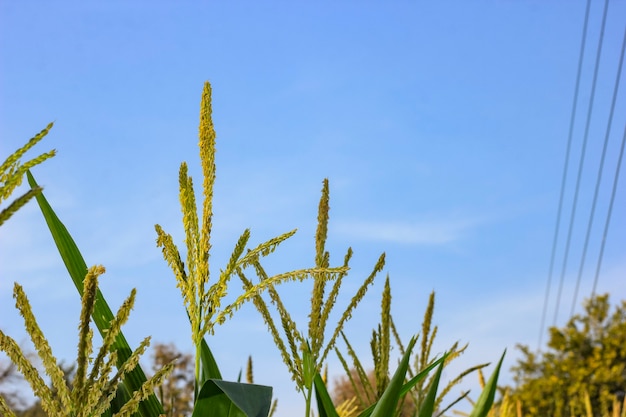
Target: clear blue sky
(442, 127)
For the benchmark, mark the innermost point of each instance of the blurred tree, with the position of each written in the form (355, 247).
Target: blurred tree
(9, 380)
(176, 393)
(586, 357)
(13, 386)
(34, 409)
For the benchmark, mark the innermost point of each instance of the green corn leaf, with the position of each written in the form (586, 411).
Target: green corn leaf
(410, 384)
(417, 378)
(485, 401)
(219, 398)
(121, 397)
(102, 315)
(210, 369)
(388, 402)
(308, 367)
(325, 407)
(427, 408)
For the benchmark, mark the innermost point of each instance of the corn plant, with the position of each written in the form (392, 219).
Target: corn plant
(203, 303)
(92, 391)
(11, 175)
(390, 399)
(250, 380)
(367, 387)
(306, 354)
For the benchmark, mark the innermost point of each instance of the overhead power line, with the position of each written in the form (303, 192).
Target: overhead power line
(565, 169)
(581, 162)
(599, 180)
(613, 192)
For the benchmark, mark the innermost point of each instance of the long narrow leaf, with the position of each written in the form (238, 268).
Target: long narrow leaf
(210, 369)
(409, 385)
(121, 397)
(386, 405)
(325, 407)
(420, 376)
(485, 401)
(102, 315)
(427, 407)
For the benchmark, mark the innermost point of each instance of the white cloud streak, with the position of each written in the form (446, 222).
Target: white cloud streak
(436, 232)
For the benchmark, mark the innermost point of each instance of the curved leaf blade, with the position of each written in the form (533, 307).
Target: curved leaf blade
(219, 398)
(102, 315)
(386, 405)
(409, 385)
(428, 406)
(485, 401)
(210, 370)
(325, 406)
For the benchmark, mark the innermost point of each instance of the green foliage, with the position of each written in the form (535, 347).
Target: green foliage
(368, 387)
(306, 354)
(388, 403)
(102, 314)
(203, 302)
(389, 399)
(200, 302)
(485, 401)
(94, 392)
(219, 398)
(587, 356)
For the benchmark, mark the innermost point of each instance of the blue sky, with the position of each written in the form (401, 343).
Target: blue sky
(442, 127)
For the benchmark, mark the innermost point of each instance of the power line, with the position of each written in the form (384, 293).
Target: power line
(599, 178)
(565, 169)
(581, 162)
(614, 191)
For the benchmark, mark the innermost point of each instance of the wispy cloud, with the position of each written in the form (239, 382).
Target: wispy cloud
(422, 232)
